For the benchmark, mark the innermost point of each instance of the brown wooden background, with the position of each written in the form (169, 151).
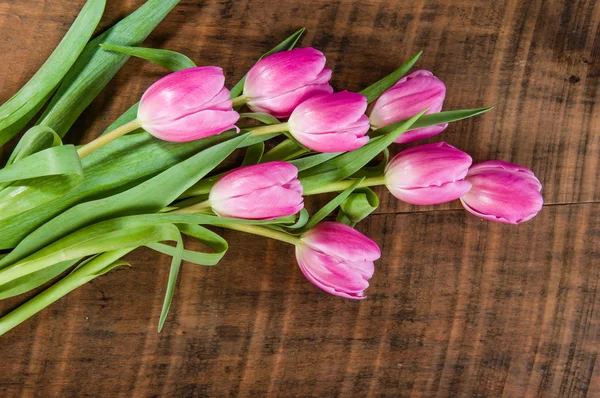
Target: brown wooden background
(458, 306)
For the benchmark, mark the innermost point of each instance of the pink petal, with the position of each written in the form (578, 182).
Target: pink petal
(427, 165)
(262, 204)
(285, 71)
(344, 279)
(244, 180)
(341, 241)
(331, 142)
(283, 105)
(194, 126)
(179, 93)
(327, 112)
(432, 195)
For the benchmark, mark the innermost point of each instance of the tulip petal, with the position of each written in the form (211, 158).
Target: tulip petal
(193, 127)
(182, 92)
(247, 179)
(333, 276)
(503, 192)
(433, 195)
(331, 142)
(285, 71)
(341, 241)
(427, 165)
(328, 112)
(283, 105)
(421, 134)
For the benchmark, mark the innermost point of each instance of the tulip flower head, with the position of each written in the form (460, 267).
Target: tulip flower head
(503, 192)
(338, 259)
(187, 105)
(259, 192)
(331, 122)
(409, 96)
(277, 84)
(428, 174)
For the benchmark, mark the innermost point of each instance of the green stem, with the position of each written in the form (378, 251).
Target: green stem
(262, 231)
(197, 208)
(342, 185)
(60, 289)
(269, 129)
(108, 137)
(240, 101)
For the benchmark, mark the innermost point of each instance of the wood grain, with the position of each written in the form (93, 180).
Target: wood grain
(457, 307)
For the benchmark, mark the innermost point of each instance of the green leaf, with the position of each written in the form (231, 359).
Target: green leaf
(434, 119)
(31, 281)
(253, 154)
(347, 164)
(34, 140)
(262, 117)
(287, 44)
(95, 67)
(98, 266)
(103, 177)
(285, 150)
(173, 273)
(374, 171)
(60, 168)
(376, 89)
(148, 197)
(23, 106)
(313, 160)
(331, 206)
(358, 206)
(302, 220)
(168, 59)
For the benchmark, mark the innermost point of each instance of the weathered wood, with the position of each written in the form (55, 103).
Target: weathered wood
(457, 307)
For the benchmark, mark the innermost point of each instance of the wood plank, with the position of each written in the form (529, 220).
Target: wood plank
(458, 306)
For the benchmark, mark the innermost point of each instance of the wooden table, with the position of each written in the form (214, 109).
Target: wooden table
(458, 306)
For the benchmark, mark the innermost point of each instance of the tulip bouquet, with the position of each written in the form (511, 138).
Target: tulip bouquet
(164, 169)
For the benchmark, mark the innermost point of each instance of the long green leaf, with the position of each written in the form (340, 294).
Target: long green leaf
(95, 67)
(98, 266)
(168, 59)
(358, 206)
(434, 119)
(20, 108)
(33, 280)
(104, 176)
(379, 87)
(148, 197)
(173, 274)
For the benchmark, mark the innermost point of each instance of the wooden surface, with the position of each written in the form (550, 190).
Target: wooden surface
(458, 306)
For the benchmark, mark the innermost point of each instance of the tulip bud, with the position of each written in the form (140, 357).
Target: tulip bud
(187, 105)
(338, 259)
(503, 192)
(259, 192)
(428, 174)
(409, 96)
(331, 122)
(278, 83)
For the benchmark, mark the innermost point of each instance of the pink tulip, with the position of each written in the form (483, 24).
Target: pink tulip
(338, 259)
(428, 174)
(409, 96)
(187, 105)
(503, 192)
(259, 192)
(280, 82)
(331, 122)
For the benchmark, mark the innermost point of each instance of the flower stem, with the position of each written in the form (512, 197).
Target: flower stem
(342, 185)
(239, 101)
(262, 231)
(197, 208)
(75, 279)
(269, 129)
(108, 137)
